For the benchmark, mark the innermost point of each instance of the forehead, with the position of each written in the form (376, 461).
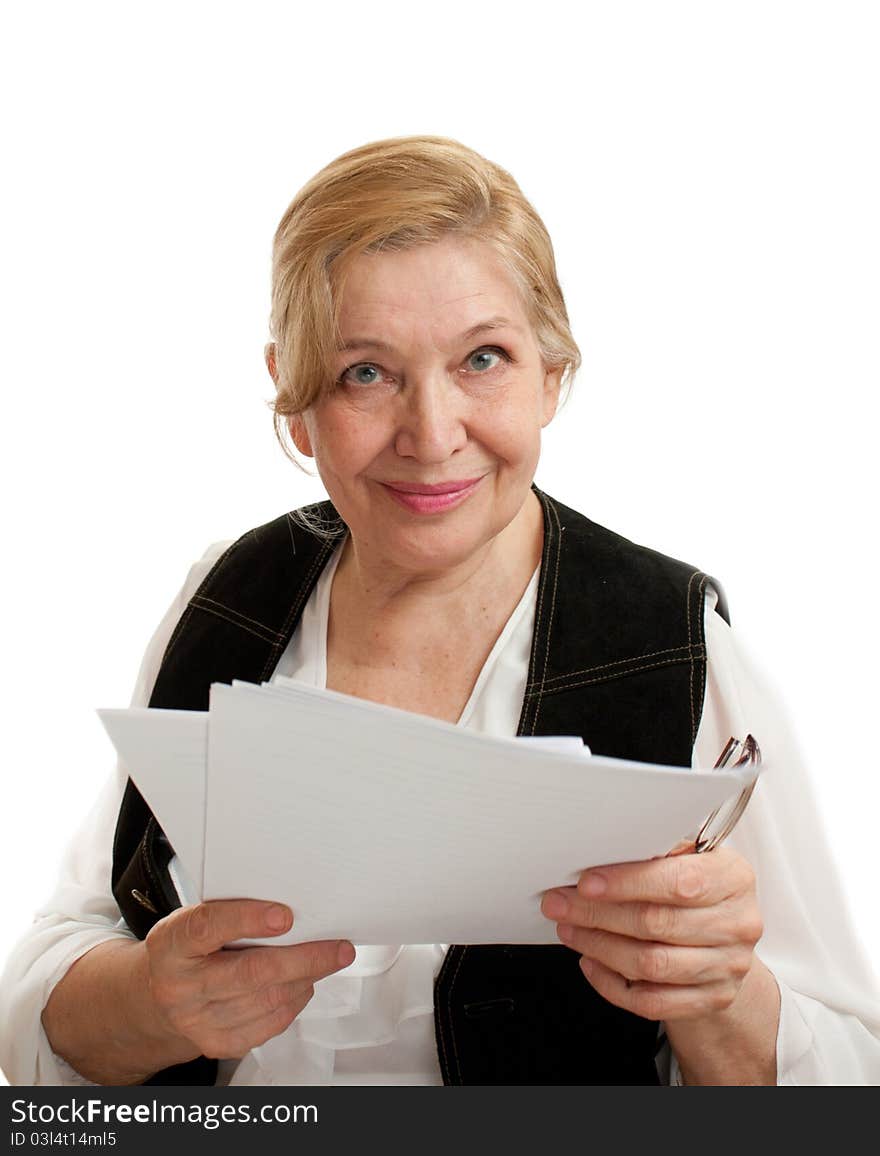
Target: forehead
(441, 287)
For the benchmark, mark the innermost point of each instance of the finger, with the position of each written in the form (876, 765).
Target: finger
(683, 880)
(206, 927)
(233, 1043)
(658, 962)
(232, 973)
(728, 923)
(657, 1001)
(242, 1010)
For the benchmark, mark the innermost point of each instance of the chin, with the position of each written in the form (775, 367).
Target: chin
(434, 547)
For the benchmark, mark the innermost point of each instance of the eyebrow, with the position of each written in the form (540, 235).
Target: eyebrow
(481, 327)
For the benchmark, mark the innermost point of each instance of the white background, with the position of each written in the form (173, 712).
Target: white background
(709, 175)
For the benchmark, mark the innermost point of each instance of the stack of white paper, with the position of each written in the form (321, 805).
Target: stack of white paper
(385, 827)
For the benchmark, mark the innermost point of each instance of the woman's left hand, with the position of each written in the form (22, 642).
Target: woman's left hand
(668, 939)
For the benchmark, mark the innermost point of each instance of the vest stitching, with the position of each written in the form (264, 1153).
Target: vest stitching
(561, 683)
(558, 547)
(699, 603)
(618, 674)
(536, 633)
(198, 599)
(691, 681)
(617, 662)
(438, 985)
(691, 677)
(230, 620)
(187, 614)
(233, 622)
(304, 591)
(449, 1009)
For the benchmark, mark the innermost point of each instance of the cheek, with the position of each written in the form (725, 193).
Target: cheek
(346, 442)
(513, 433)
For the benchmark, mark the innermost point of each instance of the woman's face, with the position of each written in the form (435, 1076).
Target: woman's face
(440, 385)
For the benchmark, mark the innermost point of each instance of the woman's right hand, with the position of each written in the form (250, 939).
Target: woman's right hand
(223, 1003)
(128, 1008)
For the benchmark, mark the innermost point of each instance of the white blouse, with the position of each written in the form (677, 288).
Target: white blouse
(372, 1023)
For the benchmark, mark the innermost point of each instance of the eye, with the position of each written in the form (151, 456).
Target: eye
(482, 366)
(364, 373)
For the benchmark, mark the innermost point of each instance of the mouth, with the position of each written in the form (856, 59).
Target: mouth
(432, 499)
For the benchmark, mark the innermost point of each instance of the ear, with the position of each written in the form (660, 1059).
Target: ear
(296, 425)
(271, 363)
(552, 385)
(299, 434)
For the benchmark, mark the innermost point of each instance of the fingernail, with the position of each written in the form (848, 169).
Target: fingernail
(555, 906)
(346, 954)
(592, 884)
(586, 966)
(278, 917)
(565, 932)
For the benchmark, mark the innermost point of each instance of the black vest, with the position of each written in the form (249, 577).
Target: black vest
(618, 656)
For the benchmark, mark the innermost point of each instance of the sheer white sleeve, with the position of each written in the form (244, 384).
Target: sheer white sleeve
(829, 1028)
(81, 913)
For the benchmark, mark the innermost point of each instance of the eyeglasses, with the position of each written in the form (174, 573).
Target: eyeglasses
(724, 818)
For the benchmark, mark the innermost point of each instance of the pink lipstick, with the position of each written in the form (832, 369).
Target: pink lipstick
(433, 499)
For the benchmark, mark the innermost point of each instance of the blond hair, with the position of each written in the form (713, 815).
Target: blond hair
(386, 196)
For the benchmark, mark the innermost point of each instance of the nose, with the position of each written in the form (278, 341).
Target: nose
(431, 423)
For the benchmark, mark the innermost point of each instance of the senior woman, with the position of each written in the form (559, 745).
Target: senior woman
(421, 343)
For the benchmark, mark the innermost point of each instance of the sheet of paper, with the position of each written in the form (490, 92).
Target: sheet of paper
(165, 753)
(385, 827)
